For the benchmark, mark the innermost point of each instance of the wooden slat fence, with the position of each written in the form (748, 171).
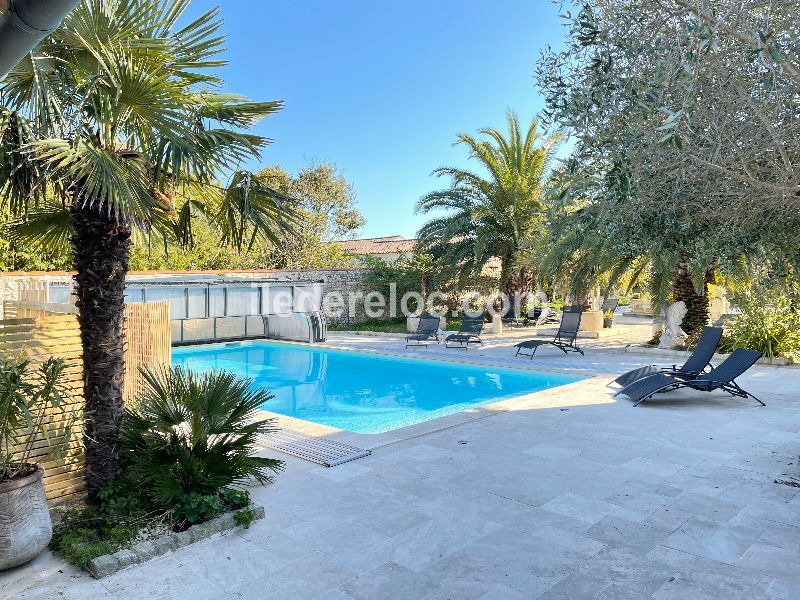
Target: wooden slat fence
(38, 339)
(32, 291)
(31, 331)
(147, 342)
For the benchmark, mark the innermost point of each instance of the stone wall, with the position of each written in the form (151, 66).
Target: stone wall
(346, 282)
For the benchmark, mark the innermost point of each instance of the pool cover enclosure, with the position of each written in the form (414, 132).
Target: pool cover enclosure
(207, 309)
(236, 308)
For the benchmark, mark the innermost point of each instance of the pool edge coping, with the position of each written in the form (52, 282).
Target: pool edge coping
(373, 441)
(589, 373)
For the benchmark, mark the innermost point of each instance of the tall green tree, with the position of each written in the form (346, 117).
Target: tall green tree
(114, 116)
(16, 255)
(493, 212)
(327, 211)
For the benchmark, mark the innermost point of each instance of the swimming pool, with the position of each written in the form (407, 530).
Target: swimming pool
(361, 392)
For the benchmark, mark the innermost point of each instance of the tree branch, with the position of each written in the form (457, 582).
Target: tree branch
(787, 67)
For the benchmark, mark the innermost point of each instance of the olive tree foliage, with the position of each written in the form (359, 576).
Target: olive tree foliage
(685, 116)
(327, 211)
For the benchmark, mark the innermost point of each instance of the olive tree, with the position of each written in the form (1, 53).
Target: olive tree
(684, 114)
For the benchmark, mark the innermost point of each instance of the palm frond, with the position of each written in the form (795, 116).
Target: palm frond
(250, 210)
(192, 432)
(103, 179)
(119, 105)
(492, 215)
(46, 227)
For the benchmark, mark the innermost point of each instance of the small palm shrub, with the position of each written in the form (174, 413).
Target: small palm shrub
(769, 322)
(189, 437)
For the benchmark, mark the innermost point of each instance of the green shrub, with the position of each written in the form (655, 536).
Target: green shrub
(187, 440)
(33, 410)
(195, 508)
(235, 499)
(656, 338)
(769, 322)
(393, 325)
(190, 436)
(244, 518)
(82, 534)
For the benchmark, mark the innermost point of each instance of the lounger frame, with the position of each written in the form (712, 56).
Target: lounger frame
(427, 331)
(564, 339)
(733, 388)
(722, 378)
(698, 363)
(468, 333)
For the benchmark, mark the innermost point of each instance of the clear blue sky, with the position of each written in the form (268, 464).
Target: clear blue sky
(381, 88)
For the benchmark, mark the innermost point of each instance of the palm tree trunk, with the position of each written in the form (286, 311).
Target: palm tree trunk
(101, 253)
(526, 287)
(697, 305)
(511, 286)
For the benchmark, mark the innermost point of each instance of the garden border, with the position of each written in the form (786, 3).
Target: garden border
(108, 564)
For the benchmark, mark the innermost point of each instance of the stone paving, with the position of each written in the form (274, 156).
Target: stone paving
(567, 493)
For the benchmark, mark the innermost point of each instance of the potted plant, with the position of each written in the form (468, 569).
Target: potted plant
(33, 415)
(608, 319)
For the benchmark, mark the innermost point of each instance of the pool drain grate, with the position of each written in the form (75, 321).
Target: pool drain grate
(322, 451)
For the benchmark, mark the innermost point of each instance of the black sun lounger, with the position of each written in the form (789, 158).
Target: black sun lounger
(540, 316)
(468, 333)
(609, 304)
(695, 365)
(427, 331)
(565, 337)
(721, 378)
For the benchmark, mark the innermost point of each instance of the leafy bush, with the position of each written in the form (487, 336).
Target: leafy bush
(393, 325)
(196, 508)
(656, 338)
(769, 322)
(244, 517)
(32, 409)
(185, 442)
(82, 534)
(190, 436)
(235, 499)
(122, 518)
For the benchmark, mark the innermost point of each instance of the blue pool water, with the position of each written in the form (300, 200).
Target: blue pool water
(359, 392)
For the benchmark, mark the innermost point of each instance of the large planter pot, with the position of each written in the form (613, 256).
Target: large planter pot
(591, 320)
(607, 323)
(25, 526)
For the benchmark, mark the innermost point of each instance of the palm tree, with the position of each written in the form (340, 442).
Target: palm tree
(114, 127)
(493, 214)
(582, 257)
